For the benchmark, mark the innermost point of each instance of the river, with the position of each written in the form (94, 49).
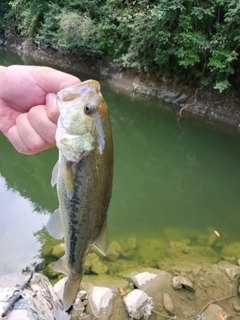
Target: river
(176, 180)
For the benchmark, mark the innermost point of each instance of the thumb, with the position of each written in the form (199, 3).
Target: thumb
(51, 107)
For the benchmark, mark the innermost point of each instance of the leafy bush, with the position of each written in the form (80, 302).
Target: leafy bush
(197, 40)
(77, 33)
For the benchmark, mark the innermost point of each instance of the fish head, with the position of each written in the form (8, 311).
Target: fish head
(82, 110)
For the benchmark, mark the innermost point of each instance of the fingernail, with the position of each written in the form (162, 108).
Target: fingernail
(49, 98)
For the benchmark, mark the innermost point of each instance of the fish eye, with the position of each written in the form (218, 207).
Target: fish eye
(89, 108)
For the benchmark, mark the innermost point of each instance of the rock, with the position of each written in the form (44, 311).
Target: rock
(37, 298)
(214, 312)
(231, 250)
(28, 45)
(180, 282)
(60, 314)
(138, 304)
(128, 252)
(168, 304)
(143, 280)
(48, 271)
(171, 96)
(78, 305)
(180, 246)
(100, 299)
(211, 240)
(114, 250)
(231, 270)
(236, 306)
(58, 250)
(95, 265)
(119, 311)
(59, 287)
(180, 99)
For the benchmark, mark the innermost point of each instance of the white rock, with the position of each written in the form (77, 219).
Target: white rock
(143, 279)
(138, 304)
(100, 299)
(58, 288)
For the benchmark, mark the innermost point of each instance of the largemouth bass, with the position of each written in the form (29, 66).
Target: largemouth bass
(83, 175)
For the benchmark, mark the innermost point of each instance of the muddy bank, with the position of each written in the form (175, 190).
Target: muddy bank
(199, 101)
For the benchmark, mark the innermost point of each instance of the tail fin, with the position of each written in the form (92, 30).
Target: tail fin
(70, 290)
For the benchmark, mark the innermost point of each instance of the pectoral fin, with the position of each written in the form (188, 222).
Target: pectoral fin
(69, 180)
(54, 174)
(55, 225)
(102, 241)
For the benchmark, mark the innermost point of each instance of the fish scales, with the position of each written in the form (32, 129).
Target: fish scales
(84, 180)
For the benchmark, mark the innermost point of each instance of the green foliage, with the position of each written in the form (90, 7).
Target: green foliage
(197, 40)
(4, 9)
(77, 33)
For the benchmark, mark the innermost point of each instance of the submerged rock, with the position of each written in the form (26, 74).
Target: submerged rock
(143, 280)
(58, 250)
(180, 282)
(114, 250)
(168, 303)
(231, 250)
(231, 270)
(138, 304)
(48, 271)
(214, 312)
(95, 265)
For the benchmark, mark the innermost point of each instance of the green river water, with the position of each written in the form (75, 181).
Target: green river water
(175, 179)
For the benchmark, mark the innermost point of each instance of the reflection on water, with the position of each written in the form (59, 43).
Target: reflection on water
(18, 222)
(175, 182)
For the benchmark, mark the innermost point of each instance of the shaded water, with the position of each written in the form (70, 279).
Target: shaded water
(174, 179)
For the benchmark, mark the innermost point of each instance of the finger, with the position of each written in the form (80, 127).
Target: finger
(39, 120)
(52, 80)
(24, 137)
(51, 105)
(17, 142)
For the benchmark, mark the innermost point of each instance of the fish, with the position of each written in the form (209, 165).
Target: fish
(83, 175)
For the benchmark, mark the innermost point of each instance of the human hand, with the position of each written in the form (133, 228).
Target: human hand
(28, 108)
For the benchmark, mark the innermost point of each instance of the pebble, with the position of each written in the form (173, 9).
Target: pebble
(236, 306)
(179, 282)
(168, 303)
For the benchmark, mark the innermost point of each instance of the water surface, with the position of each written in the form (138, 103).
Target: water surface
(174, 179)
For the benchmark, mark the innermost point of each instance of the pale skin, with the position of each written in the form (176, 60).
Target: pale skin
(28, 107)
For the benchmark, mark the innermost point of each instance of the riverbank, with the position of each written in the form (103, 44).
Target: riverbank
(203, 102)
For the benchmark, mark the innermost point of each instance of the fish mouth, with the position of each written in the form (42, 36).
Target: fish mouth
(79, 89)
